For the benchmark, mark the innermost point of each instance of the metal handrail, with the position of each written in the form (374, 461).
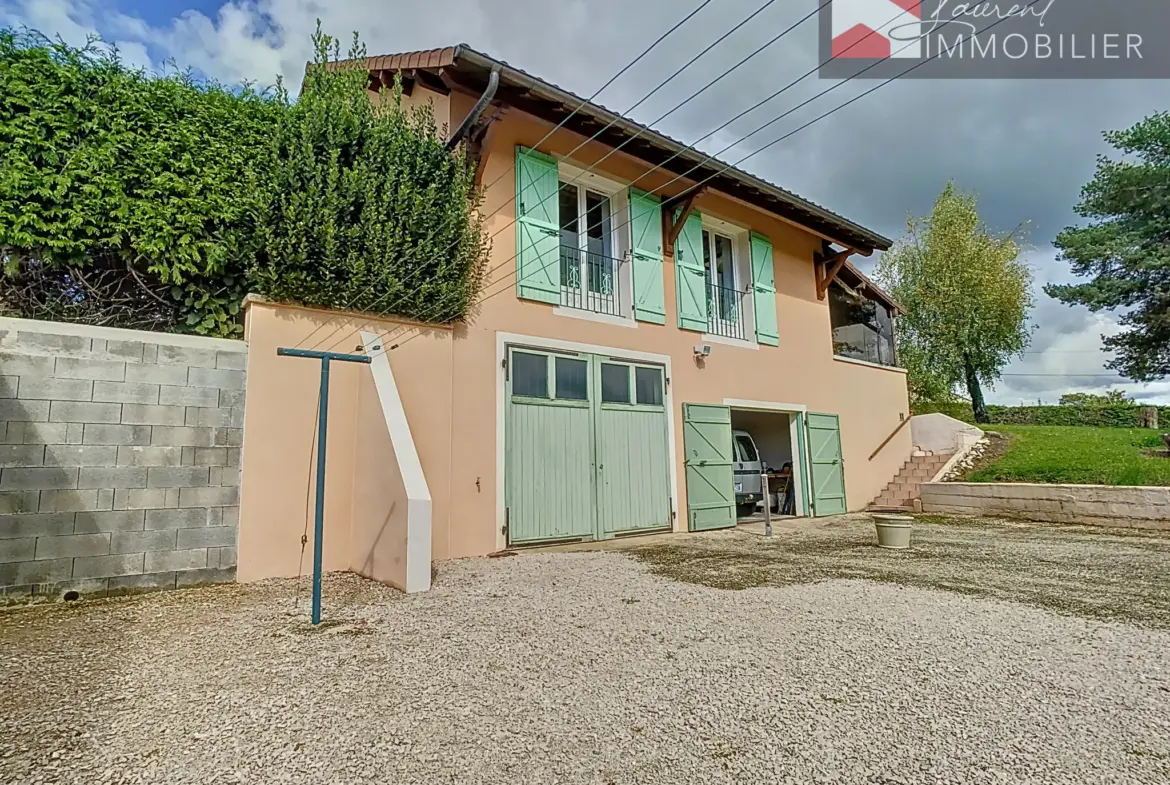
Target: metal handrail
(889, 438)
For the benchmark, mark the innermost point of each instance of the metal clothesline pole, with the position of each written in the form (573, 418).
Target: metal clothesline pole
(322, 431)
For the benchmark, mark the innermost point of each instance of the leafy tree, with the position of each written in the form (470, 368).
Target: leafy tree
(1110, 398)
(369, 209)
(1125, 249)
(125, 199)
(967, 298)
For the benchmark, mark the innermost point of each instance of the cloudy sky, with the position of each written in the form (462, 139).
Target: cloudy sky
(1026, 147)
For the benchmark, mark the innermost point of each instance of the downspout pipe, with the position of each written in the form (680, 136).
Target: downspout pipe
(476, 111)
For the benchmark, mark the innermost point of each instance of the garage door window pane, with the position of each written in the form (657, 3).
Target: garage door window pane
(615, 383)
(572, 379)
(648, 386)
(529, 375)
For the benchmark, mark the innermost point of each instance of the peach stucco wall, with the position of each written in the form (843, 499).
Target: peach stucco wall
(451, 383)
(365, 504)
(378, 526)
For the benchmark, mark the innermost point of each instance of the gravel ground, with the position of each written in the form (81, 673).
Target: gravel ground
(1090, 571)
(580, 668)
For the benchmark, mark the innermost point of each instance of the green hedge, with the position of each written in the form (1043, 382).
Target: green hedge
(1092, 416)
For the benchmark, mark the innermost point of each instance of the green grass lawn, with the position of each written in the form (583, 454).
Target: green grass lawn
(1076, 455)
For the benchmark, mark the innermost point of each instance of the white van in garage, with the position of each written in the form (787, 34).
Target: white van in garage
(748, 467)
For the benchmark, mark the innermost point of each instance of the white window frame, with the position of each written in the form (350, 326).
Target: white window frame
(619, 242)
(741, 255)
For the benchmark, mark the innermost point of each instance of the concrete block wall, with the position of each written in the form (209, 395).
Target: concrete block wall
(119, 459)
(1101, 505)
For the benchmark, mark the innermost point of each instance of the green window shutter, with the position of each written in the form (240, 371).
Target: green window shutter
(764, 291)
(690, 275)
(537, 227)
(646, 245)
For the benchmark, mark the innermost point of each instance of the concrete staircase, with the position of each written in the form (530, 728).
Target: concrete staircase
(904, 490)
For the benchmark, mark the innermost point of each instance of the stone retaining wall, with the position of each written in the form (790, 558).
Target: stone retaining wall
(1102, 505)
(119, 458)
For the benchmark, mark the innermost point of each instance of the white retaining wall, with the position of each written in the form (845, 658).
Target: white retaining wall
(1101, 505)
(942, 435)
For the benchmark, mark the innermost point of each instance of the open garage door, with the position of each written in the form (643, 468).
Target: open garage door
(709, 459)
(828, 468)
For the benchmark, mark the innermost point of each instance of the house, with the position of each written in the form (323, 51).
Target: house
(644, 303)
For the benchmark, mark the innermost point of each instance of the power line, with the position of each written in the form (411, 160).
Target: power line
(1069, 375)
(707, 157)
(688, 99)
(791, 133)
(570, 116)
(595, 136)
(725, 167)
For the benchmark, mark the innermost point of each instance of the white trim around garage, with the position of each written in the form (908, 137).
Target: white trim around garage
(503, 340)
(794, 436)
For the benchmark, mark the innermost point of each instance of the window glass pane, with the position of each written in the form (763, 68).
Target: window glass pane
(599, 262)
(862, 329)
(597, 226)
(707, 253)
(723, 261)
(615, 383)
(747, 450)
(569, 214)
(570, 225)
(648, 386)
(572, 379)
(727, 305)
(529, 375)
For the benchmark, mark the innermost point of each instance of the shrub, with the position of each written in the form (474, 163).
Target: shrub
(369, 209)
(126, 199)
(157, 202)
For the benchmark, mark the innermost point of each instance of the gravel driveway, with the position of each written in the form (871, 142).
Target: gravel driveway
(580, 668)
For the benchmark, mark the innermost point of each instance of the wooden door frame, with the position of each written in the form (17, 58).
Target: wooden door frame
(505, 341)
(802, 500)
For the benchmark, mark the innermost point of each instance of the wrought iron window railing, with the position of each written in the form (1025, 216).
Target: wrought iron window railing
(590, 281)
(725, 312)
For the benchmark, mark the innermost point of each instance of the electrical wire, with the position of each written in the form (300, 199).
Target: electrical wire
(772, 143)
(684, 102)
(569, 117)
(707, 158)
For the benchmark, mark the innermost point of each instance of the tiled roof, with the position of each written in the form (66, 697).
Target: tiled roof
(463, 59)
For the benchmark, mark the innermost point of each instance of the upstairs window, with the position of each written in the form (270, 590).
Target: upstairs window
(589, 269)
(862, 328)
(725, 289)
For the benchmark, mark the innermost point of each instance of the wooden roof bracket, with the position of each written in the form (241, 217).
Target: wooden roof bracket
(672, 226)
(827, 268)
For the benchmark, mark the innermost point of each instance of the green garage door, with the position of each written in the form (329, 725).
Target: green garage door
(586, 450)
(828, 468)
(710, 476)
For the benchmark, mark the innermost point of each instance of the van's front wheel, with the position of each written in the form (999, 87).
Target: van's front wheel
(745, 510)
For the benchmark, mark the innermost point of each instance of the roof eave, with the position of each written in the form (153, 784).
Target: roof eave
(551, 92)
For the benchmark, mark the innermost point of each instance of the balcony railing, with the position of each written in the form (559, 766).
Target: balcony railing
(725, 312)
(590, 281)
(862, 342)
